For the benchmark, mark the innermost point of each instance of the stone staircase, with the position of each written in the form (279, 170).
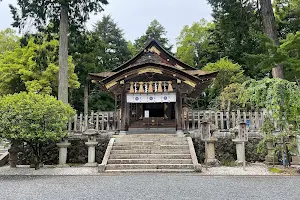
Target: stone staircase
(3, 153)
(151, 153)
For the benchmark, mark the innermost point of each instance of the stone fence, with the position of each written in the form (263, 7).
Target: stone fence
(110, 122)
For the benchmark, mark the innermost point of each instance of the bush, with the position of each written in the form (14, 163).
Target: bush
(34, 119)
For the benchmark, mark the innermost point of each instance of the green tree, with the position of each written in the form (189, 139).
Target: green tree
(102, 49)
(238, 33)
(34, 119)
(8, 40)
(193, 44)
(290, 48)
(154, 31)
(111, 48)
(33, 68)
(287, 14)
(229, 72)
(65, 15)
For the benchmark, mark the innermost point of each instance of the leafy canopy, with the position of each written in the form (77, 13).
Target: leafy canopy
(193, 43)
(33, 117)
(41, 12)
(33, 68)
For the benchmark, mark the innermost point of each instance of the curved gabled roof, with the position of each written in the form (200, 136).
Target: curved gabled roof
(164, 53)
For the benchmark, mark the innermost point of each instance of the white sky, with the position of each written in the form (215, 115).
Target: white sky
(133, 16)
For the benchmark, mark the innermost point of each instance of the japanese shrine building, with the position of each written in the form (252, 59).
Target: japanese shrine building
(150, 90)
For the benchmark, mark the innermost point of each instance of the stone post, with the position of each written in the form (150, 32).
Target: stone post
(13, 155)
(91, 143)
(63, 152)
(207, 130)
(241, 137)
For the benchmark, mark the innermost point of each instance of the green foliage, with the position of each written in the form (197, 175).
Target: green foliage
(275, 170)
(33, 68)
(154, 31)
(8, 40)
(193, 43)
(229, 97)
(287, 13)
(238, 33)
(291, 49)
(33, 117)
(279, 97)
(111, 49)
(229, 73)
(41, 12)
(102, 49)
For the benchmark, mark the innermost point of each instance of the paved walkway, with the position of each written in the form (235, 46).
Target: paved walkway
(149, 186)
(50, 170)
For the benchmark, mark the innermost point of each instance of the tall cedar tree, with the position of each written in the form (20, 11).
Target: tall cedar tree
(237, 32)
(154, 31)
(99, 50)
(269, 27)
(66, 15)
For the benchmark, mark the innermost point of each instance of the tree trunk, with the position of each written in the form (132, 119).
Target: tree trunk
(86, 98)
(269, 27)
(63, 55)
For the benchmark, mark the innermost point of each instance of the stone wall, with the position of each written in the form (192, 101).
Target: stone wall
(226, 150)
(77, 152)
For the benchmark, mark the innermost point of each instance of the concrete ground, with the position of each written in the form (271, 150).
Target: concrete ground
(259, 169)
(149, 186)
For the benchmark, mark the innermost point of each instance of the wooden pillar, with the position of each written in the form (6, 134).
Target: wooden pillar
(123, 111)
(178, 112)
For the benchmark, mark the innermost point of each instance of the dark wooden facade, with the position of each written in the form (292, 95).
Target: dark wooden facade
(151, 87)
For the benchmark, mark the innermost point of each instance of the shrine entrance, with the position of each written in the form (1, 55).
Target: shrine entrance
(150, 89)
(152, 115)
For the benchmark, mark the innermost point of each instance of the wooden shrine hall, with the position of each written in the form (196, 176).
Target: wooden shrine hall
(151, 89)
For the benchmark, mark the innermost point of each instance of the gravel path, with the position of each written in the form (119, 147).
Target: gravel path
(51, 170)
(148, 187)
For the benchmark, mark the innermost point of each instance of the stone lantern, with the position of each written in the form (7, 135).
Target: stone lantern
(63, 152)
(241, 136)
(207, 135)
(91, 143)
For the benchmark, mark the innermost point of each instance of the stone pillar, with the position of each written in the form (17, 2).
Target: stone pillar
(270, 157)
(13, 155)
(241, 137)
(210, 155)
(91, 153)
(207, 130)
(91, 143)
(63, 151)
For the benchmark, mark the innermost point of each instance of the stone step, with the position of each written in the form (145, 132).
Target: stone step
(151, 171)
(129, 143)
(153, 147)
(161, 139)
(150, 161)
(148, 135)
(148, 166)
(151, 151)
(150, 156)
(3, 151)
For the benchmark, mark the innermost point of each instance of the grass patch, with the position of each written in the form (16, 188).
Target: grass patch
(228, 163)
(275, 170)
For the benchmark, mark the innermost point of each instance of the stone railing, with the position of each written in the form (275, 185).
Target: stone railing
(223, 120)
(100, 121)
